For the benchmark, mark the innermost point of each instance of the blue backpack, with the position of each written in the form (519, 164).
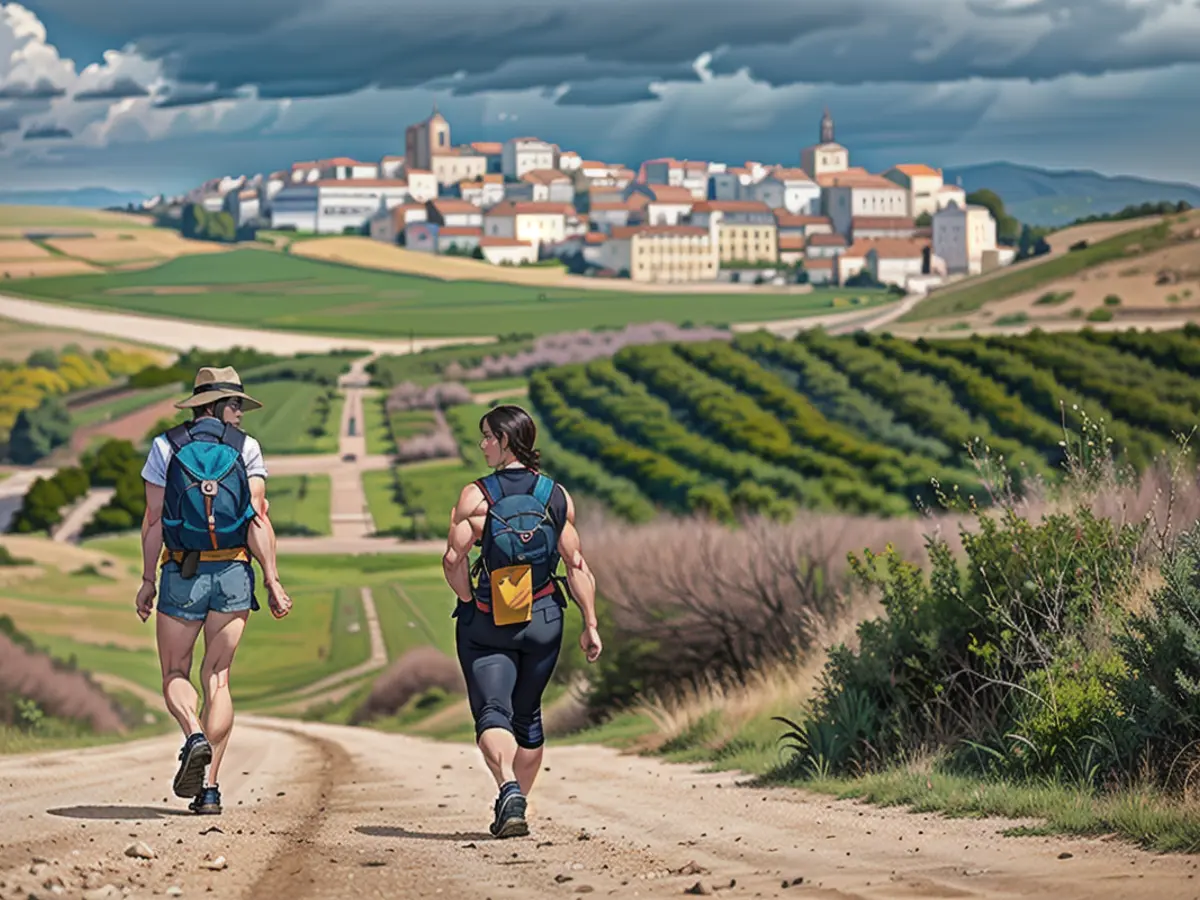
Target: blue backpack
(206, 502)
(518, 548)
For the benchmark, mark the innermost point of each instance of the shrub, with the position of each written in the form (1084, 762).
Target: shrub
(1112, 300)
(1100, 314)
(417, 671)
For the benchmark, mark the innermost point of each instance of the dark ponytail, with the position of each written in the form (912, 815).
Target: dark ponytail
(517, 425)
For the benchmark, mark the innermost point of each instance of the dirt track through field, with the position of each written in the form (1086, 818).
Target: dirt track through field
(323, 811)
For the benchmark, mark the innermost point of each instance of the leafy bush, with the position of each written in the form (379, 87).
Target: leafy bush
(1100, 314)
(38, 431)
(1112, 300)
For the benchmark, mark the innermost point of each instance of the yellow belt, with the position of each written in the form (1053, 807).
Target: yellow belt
(234, 554)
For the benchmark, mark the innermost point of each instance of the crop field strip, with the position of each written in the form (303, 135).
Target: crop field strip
(864, 422)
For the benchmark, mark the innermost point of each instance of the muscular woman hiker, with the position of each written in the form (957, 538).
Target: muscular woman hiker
(510, 623)
(206, 515)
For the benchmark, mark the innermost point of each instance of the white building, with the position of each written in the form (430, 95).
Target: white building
(243, 205)
(923, 185)
(687, 173)
(454, 213)
(895, 261)
(525, 154)
(508, 251)
(391, 166)
(664, 204)
(422, 184)
(342, 167)
(961, 237)
(332, 207)
(536, 223)
(789, 189)
(854, 195)
(542, 186)
(569, 161)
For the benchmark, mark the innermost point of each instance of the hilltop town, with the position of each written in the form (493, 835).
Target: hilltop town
(527, 201)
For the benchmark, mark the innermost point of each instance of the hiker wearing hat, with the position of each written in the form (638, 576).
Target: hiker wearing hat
(206, 515)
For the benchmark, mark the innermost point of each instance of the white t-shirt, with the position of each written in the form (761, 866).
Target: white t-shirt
(155, 470)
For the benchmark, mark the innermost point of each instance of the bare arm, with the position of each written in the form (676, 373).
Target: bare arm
(465, 525)
(261, 537)
(152, 539)
(579, 577)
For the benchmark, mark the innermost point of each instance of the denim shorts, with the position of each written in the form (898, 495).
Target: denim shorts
(222, 587)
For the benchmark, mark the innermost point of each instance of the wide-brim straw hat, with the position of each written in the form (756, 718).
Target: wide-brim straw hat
(213, 384)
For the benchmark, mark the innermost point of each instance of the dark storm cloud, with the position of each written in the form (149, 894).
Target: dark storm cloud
(193, 96)
(121, 89)
(323, 47)
(610, 92)
(9, 121)
(41, 90)
(48, 132)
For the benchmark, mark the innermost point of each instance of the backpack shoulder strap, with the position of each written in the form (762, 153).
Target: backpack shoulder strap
(234, 437)
(543, 489)
(179, 435)
(492, 490)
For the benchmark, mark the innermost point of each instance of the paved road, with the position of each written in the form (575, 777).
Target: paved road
(182, 335)
(318, 811)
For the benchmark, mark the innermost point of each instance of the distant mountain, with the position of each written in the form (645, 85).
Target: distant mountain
(1041, 197)
(91, 198)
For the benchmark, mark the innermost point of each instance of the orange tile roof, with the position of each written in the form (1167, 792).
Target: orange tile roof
(857, 180)
(917, 170)
(669, 193)
(791, 242)
(493, 178)
(790, 174)
(819, 263)
(545, 176)
(302, 165)
(893, 248)
(419, 172)
(488, 148)
(826, 240)
(452, 207)
(521, 207)
(595, 237)
(458, 231)
(343, 161)
(731, 206)
(786, 219)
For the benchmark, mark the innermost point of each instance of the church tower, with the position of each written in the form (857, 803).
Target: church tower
(826, 128)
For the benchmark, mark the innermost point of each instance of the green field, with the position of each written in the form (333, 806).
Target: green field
(1032, 274)
(375, 426)
(430, 490)
(513, 384)
(120, 405)
(300, 504)
(860, 424)
(297, 417)
(275, 290)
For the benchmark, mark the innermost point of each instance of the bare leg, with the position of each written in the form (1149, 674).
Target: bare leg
(526, 766)
(499, 751)
(176, 639)
(222, 632)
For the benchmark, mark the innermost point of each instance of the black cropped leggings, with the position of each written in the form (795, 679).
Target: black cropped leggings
(507, 667)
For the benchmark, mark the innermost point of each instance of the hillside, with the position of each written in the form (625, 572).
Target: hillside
(859, 424)
(90, 198)
(1044, 197)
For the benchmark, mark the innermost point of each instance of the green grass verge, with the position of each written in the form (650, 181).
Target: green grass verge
(375, 426)
(300, 504)
(514, 384)
(277, 290)
(1032, 274)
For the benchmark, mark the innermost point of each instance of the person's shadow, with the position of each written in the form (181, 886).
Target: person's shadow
(390, 831)
(117, 813)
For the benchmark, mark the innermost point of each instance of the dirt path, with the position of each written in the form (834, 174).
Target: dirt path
(78, 516)
(322, 811)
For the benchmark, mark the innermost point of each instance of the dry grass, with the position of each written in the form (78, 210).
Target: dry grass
(110, 246)
(415, 672)
(59, 692)
(369, 254)
(18, 341)
(44, 268)
(21, 250)
(14, 218)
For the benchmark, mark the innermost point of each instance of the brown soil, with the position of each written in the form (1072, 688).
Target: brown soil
(130, 428)
(317, 811)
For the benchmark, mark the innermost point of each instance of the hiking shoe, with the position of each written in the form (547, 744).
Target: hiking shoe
(510, 813)
(195, 755)
(207, 802)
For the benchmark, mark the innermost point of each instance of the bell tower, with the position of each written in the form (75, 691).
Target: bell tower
(827, 128)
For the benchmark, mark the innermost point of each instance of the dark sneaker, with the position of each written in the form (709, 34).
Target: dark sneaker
(193, 758)
(207, 802)
(510, 813)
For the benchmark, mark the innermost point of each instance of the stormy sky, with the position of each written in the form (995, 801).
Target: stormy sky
(154, 95)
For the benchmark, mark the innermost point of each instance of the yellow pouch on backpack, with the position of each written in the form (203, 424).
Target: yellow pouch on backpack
(512, 595)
